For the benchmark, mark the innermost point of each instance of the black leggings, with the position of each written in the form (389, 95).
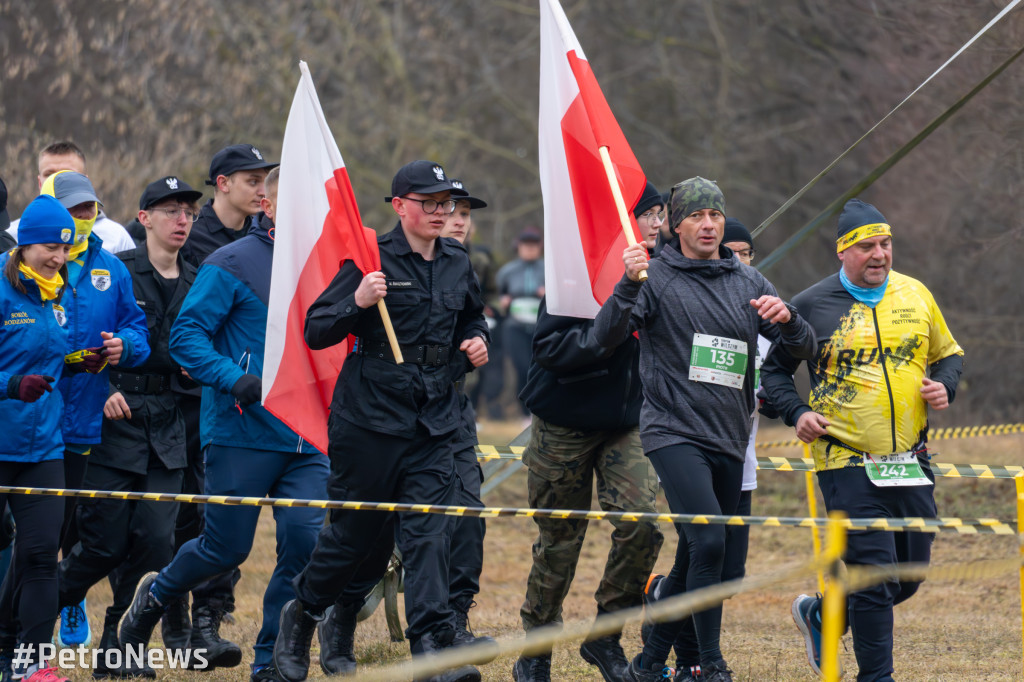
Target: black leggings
(74, 473)
(734, 567)
(29, 592)
(695, 482)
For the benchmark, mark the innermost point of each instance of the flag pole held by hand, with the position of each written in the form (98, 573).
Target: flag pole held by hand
(620, 204)
(390, 330)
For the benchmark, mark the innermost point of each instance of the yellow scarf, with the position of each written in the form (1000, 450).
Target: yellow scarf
(47, 287)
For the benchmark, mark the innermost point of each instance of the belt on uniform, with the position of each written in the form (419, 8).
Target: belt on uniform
(921, 447)
(148, 384)
(424, 354)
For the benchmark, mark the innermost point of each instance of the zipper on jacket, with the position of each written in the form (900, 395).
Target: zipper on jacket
(885, 373)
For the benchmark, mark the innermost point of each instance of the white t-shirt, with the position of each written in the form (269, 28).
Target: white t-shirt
(750, 462)
(115, 238)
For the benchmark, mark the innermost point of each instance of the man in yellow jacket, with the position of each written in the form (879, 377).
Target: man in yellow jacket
(885, 356)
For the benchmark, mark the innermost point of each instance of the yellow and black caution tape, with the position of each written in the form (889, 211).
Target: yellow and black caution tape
(956, 525)
(673, 608)
(806, 464)
(933, 434)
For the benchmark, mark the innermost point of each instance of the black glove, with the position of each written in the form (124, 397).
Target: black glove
(248, 389)
(28, 387)
(765, 406)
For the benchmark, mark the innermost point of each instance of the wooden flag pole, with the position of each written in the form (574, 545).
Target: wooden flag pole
(613, 183)
(390, 330)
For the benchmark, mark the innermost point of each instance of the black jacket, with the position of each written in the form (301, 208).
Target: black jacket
(156, 430)
(431, 304)
(209, 234)
(575, 382)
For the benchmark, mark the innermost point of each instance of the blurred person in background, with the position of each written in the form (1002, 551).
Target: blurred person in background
(68, 156)
(521, 287)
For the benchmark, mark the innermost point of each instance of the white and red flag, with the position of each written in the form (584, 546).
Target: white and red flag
(583, 235)
(317, 228)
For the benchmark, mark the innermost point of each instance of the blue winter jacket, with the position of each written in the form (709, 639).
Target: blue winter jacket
(99, 298)
(32, 342)
(220, 335)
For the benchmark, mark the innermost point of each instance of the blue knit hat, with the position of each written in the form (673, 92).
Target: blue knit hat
(45, 221)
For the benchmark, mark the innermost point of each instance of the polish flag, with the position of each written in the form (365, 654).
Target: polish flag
(320, 228)
(583, 238)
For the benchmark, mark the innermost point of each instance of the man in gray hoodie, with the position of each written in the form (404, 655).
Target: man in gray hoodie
(698, 315)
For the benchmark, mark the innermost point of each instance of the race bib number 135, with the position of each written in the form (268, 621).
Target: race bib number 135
(718, 360)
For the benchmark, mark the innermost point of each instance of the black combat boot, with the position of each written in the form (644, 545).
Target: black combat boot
(606, 653)
(532, 668)
(486, 647)
(337, 635)
(291, 649)
(440, 640)
(142, 616)
(218, 652)
(107, 642)
(176, 626)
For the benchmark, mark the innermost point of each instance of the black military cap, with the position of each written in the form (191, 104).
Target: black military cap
(164, 188)
(422, 177)
(460, 193)
(237, 157)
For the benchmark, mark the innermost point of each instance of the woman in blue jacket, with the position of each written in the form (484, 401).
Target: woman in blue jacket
(31, 452)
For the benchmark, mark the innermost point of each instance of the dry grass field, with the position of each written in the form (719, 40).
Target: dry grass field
(951, 630)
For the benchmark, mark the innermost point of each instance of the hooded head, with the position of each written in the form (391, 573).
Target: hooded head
(75, 193)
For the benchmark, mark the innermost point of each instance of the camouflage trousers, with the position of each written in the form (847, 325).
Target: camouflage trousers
(563, 464)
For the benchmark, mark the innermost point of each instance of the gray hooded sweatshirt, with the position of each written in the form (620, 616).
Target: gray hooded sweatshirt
(683, 297)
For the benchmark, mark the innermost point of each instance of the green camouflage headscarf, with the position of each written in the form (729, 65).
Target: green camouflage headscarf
(693, 195)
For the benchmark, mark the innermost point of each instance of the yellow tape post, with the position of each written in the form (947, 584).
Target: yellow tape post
(937, 525)
(1020, 524)
(834, 602)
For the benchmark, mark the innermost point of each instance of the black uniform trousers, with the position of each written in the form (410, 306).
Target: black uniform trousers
(135, 537)
(466, 552)
(869, 611)
(376, 467)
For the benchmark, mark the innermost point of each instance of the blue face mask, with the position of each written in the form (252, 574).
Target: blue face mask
(869, 297)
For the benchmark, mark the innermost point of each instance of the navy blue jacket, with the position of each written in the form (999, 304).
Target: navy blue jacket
(220, 334)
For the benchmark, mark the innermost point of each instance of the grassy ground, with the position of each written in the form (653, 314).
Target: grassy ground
(951, 630)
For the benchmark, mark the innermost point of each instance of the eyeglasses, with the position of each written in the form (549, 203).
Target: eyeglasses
(431, 205)
(652, 217)
(173, 213)
(745, 253)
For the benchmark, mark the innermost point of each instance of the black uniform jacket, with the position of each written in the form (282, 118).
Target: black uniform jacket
(209, 234)
(432, 304)
(575, 382)
(156, 431)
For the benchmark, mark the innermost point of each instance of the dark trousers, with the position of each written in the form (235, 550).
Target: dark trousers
(695, 482)
(137, 536)
(28, 597)
(466, 552)
(518, 341)
(376, 467)
(219, 591)
(74, 473)
(869, 611)
(734, 567)
(227, 538)
(490, 380)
